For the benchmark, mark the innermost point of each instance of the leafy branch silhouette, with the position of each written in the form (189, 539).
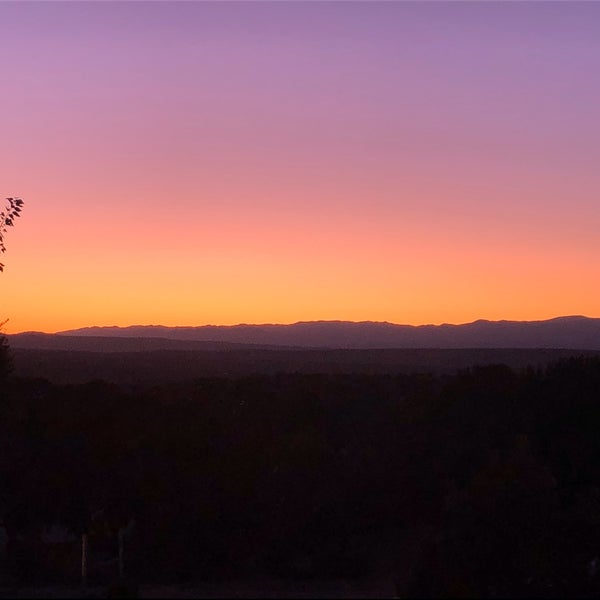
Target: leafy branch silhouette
(7, 219)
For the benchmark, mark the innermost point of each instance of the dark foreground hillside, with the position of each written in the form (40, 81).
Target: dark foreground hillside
(484, 483)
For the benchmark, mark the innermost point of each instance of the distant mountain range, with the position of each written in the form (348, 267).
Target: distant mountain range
(575, 332)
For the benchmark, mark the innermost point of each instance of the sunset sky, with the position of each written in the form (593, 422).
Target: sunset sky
(194, 163)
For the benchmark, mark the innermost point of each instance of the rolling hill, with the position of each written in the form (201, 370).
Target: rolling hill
(574, 332)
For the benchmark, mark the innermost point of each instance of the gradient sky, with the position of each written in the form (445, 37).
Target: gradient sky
(193, 163)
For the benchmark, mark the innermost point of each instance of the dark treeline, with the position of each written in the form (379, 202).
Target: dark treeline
(161, 367)
(482, 483)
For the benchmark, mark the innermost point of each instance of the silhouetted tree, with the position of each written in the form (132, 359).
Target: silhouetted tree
(5, 362)
(7, 219)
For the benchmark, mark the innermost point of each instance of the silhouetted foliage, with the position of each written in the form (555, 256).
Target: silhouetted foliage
(7, 219)
(5, 356)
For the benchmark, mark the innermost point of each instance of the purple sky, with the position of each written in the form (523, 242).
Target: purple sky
(412, 162)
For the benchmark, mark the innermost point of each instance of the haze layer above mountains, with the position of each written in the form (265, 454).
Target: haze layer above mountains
(575, 332)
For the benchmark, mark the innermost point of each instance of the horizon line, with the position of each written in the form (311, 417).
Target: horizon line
(243, 324)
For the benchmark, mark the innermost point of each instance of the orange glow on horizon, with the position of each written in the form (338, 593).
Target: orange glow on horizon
(256, 271)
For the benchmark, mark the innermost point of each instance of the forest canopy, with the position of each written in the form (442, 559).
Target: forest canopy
(482, 483)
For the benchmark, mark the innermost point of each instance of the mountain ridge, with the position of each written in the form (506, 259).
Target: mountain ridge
(572, 332)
